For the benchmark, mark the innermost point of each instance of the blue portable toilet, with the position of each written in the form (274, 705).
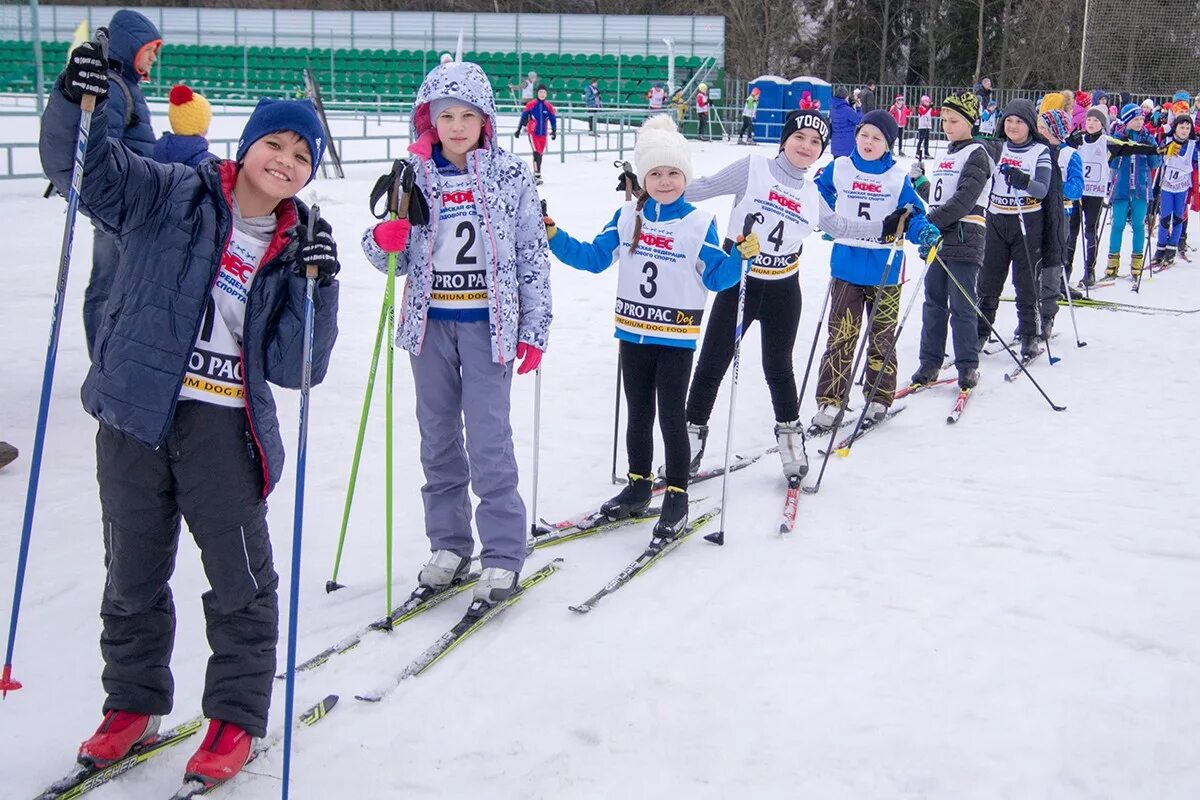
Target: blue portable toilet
(817, 89)
(772, 107)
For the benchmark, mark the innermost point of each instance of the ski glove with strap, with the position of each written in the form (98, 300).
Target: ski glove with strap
(634, 186)
(529, 356)
(929, 240)
(748, 246)
(320, 252)
(86, 73)
(392, 236)
(891, 223)
(1015, 177)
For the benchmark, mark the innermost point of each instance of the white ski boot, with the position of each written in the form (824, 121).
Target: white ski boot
(442, 569)
(495, 585)
(825, 416)
(790, 437)
(876, 412)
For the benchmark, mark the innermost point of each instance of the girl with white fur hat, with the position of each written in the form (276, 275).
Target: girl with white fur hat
(670, 257)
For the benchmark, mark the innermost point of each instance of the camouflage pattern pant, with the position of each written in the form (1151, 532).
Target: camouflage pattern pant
(845, 323)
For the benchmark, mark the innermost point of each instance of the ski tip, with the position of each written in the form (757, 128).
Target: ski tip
(842, 451)
(580, 609)
(716, 537)
(332, 586)
(368, 698)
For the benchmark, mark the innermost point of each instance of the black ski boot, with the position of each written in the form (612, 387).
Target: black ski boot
(634, 499)
(968, 378)
(983, 340)
(1168, 256)
(1029, 346)
(1089, 277)
(928, 373)
(674, 516)
(1047, 328)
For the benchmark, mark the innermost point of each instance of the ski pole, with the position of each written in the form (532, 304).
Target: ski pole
(1151, 214)
(912, 301)
(1003, 341)
(718, 536)
(628, 176)
(1035, 275)
(812, 351)
(310, 283)
(616, 418)
(391, 185)
(1071, 307)
(86, 106)
(537, 446)
(896, 260)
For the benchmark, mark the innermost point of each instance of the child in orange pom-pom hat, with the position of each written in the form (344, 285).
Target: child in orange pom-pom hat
(190, 115)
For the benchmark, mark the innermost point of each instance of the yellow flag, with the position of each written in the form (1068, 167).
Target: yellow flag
(81, 35)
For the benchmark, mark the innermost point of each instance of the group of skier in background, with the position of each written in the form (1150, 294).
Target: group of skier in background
(188, 427)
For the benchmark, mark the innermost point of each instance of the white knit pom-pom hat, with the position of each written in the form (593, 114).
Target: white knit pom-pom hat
(660, 144)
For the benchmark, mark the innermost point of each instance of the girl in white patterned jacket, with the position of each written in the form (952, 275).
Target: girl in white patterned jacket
(476, 302)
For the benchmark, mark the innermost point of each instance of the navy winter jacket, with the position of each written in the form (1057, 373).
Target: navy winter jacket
(175, 149)
(174, 223)
(128, 33)
(844, 119)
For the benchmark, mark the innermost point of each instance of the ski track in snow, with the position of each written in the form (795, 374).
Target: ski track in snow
(1004, 608)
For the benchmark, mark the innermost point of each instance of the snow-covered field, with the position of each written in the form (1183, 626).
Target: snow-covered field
(1005, 608)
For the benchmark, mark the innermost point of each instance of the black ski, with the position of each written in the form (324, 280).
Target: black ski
(653, 552)
(421, 600)
(195, 786)
(478, 614)
(85, 777)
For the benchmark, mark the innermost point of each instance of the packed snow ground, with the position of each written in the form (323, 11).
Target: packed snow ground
(1004, 608)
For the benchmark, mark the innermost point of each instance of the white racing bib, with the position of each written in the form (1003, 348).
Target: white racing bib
(459, 280)
(789, 216)
(944, 177)
(214, 373)
(660, 291)
(1177, 176)
(1095, 167)
(1007, 199)
(863, 195)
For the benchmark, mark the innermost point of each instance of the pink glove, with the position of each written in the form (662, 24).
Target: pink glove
(529, 356)
(392, 236)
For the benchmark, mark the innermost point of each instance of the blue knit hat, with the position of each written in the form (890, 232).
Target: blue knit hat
(298, 116)
(884, 122)
(1129, 112)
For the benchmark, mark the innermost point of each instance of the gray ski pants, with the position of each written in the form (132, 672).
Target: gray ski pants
(456, 381)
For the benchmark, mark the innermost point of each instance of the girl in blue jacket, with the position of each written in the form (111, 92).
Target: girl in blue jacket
(207, 307)
(1132, 186)
(670, 258)
(871, 185)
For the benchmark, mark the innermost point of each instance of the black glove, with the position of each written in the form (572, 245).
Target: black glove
(1016, 178)
(891, 223)
(320, 252)
(1075, 139)
(86, 73)
(553, 134)
(633, 182)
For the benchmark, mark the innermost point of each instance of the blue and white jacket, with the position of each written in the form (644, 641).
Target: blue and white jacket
(865, 266)
(721, 270)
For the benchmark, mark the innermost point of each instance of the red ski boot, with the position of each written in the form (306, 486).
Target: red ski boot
(117, 735)
(225, 750)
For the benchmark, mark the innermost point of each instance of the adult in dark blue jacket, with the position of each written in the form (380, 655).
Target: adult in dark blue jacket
(133, 44)
(844, 119)
(207, 306)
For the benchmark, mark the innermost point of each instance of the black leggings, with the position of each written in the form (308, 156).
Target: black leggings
(650, 372)
(776, 304)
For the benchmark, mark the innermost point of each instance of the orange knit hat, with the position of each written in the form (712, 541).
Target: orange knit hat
(189, 113)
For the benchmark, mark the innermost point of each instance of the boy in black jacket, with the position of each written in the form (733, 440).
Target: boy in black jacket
(957, 191)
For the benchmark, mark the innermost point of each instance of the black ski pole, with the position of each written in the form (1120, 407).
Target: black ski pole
(893, 263)
(1003, 341)
(812, 351)
(1071, 307)
(1035, 276)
